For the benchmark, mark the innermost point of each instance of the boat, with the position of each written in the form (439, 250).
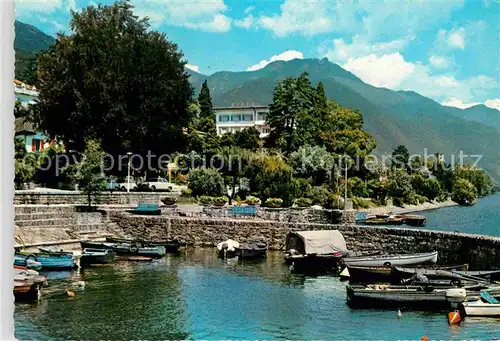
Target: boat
(485, 306)
(123, 249)
(393, 260)
(368, 274)
(384, 220)
(27, 284)
(491, 275)
(253, 250)
(51, 261)
(315, 250)
(96, 256)
(227, 249)
(171, 246)
(413, 219)
(20, 260)
(399, 273)
(423, 297)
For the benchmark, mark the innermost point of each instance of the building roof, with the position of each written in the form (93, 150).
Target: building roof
(23, 126)
(242, 106)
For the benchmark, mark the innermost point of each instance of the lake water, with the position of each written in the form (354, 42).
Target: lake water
(197, 296)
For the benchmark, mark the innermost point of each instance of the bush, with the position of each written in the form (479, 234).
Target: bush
(180, 179)
(206, 200)
(274, 202)
(187, 192)
(442, 196)
(219, 201)
(319, 196)
(397, 202)
(303, 202)
(169, 200)
(464, 192)
(205, 181)
(251, 200)
(360, 203)
(357, 187)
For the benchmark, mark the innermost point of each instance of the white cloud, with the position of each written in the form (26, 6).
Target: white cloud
(456, 39)
(373, 19)
(203, 15)
(287, 55)
(246, 22)
(493, 103)
(385, 71)
(192, 67)
(439, 62)
(458, 103)
(359, 46)
(249, 9)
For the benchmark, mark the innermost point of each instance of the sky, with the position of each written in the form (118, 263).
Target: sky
(446, 50)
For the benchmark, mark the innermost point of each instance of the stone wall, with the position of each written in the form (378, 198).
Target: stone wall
(295, 215)
(480, 252)
(115, 198)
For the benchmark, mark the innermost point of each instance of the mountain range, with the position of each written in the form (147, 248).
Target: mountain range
(393, 117)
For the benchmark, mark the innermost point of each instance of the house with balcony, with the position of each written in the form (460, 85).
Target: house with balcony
(238, 117)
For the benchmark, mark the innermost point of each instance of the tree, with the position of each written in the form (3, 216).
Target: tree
(248, 138)
(30, 72)
(290, 112)
(112, 78)
(313, 162)
(464, 192)
(88, 172)
(400, 157)
(235, 160)
(205, 102)
(321, 100)
(481, 181)
(21, 111)
(399, 185)
(205, 181)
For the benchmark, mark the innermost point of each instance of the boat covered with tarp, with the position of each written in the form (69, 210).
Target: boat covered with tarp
(315, 250)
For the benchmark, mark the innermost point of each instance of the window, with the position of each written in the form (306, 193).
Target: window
(236, 118)
(36, 145)
(261, 115)
(224, 118)
(247, 118)
(266, 130)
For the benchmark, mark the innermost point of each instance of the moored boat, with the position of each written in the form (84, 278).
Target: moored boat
(393, 260)
(27, 284)
(413, 219)
(400, 273)
(122, 249)
(253, 250)
(384, 220)
(486, 306)
(169, 245)
(20, 260)
(315, 250)
(227, 249)
(51, 261)
(96, 256)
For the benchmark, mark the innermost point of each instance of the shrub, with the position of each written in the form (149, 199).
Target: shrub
(180, 179)
(205, 181)
(397, 202)
(251, 200)
(169, 200)
(442, 196)
(274, 202)
(187, 192)
(464, 192)
(319, 196)
(205, 200)
(360, 203)
(303, 202)
(219, 201)
(357, 187)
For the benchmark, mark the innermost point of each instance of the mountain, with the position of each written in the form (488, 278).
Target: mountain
(27, 42)
(393, 117)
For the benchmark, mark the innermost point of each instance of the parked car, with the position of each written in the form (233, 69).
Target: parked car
(122, 185)
(112, 185)
(159, 184)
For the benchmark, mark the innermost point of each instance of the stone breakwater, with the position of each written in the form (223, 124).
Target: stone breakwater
(115, 198)
(480, 252)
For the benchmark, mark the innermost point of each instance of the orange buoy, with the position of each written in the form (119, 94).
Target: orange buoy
(424, 338)
(454, 317)
(70, 293)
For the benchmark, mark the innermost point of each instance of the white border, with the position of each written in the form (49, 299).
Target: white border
(7, 168)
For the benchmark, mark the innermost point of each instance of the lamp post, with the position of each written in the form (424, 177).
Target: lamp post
(128, 172)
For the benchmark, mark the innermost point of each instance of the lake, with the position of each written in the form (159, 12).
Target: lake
(197, 296)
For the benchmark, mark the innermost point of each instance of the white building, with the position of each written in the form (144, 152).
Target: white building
(24, 93)
(237, 118)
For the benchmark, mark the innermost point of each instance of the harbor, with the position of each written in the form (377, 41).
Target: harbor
(258, 299)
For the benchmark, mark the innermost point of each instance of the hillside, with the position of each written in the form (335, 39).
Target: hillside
(27, 42)
(393, 117)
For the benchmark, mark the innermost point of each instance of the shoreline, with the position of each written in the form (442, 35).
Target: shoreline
(409, 208)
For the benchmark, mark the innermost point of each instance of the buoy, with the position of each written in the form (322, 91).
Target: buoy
(424, 338)
(345, 273)
(70, 293)
(454, 317)
(399, 314)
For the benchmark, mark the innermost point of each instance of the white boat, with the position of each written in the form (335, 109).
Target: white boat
(393, 260)
(480, 308)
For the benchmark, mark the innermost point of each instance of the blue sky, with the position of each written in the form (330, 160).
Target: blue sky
(446, 50)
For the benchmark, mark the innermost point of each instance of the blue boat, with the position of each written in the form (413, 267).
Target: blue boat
(20, 260)
(52, 260)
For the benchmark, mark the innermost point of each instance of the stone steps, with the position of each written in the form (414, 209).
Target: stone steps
(43, 215)
(19, 209)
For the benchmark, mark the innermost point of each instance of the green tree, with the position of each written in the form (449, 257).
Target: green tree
(248, 138)
(481, 181)
(115, 79)
(400, 157)
(206, 181)
(399, 185)
(234, 163)
(30, 72)
(313, 162)
(464, 192)
(21, 111)
(290, 113)
(205, 102)
(321, 100)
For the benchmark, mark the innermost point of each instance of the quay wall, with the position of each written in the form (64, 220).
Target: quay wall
(480, 252)
(105, 198)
